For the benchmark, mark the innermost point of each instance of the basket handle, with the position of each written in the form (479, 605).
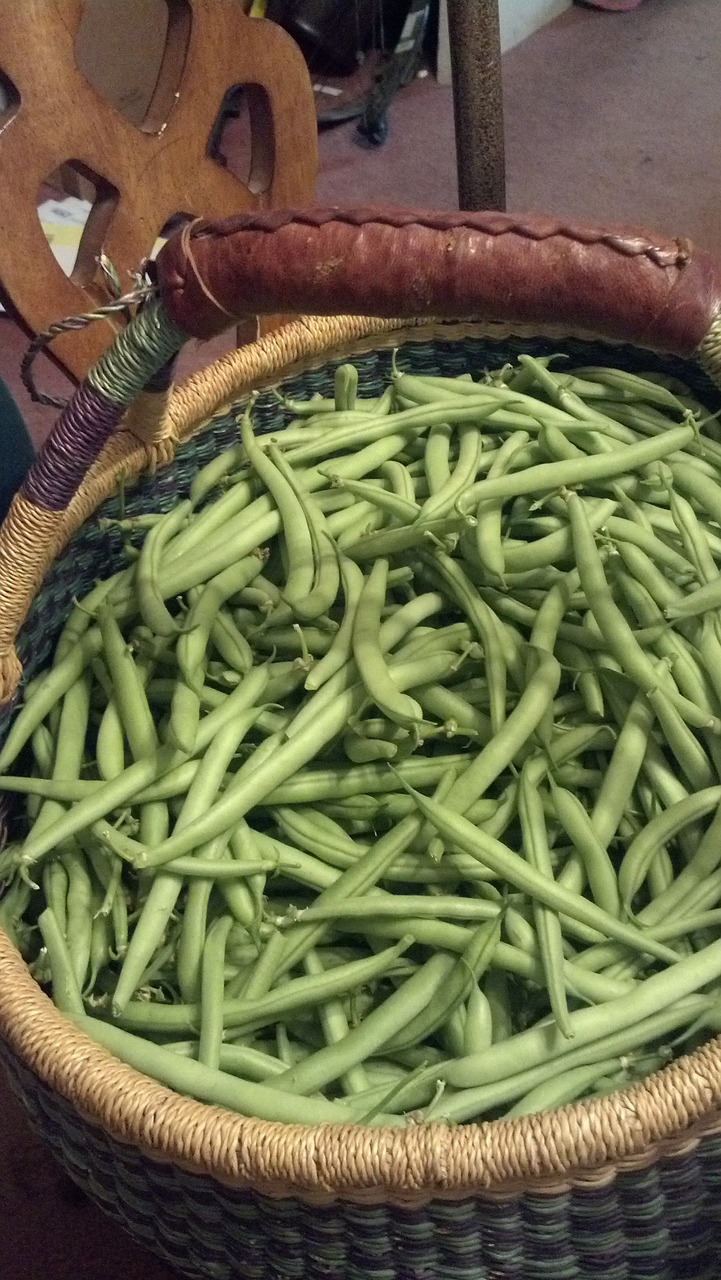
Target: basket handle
(618, 283)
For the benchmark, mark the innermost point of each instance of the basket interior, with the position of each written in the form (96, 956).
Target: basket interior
(96, 552)
(652, 1222)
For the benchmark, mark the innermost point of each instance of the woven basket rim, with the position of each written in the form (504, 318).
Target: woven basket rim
(585, 1144)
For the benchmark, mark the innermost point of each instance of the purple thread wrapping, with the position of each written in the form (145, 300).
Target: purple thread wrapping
(72, 446)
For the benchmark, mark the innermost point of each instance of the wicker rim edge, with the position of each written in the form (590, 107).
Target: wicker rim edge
(584, 1144)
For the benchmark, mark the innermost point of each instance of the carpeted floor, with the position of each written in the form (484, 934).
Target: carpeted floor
(609, 117)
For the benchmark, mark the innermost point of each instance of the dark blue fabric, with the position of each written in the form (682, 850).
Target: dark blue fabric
(16, 450)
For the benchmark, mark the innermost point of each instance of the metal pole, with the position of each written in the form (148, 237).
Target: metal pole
(475, 48)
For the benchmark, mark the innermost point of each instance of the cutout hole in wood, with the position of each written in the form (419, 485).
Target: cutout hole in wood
(9, 100)
(133, 53)
(242, 138)
(76, 217)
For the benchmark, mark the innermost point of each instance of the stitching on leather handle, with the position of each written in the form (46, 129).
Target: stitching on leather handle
(677, 253)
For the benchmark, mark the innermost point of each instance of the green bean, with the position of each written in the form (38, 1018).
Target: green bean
(55, 889)
(694, 539)
(362, 1041)
(135, 715)
(455, 828)
(335, 1028)
(43, 749)
(390, 503)
(563, 1088)
(436, 456)
(399, 479)
(699, 487)
(230, 643)
(701, 866)
(684, 663)
(441, 935)
(547, 923)
(245, 850)
(442, 501)
(166, 888)
(633, 386)
(656, 834)
(220, 869)
(704, 599)
(555, 475)
(623, 770)
(521, 933)
(452, 577)
(488, 513)
(317, 834)
(211, 475)
(451, 1034)
(396, 905)
(295, 527)
(428, 390)
(614, 626)
(599, 1024)
(478, 1025)
(110, 743)
(368, 655)
(354, 524)
(556, 546)
(303, 641)
(60, 679)
(497, 995)
(69, 746)
(153, 609)
(556, 445)
(193, 643)
(66, 989)
(397, 540)
(473, 1102)
(128, 691)
(463, 974)
(346, 386)
(79, 913)
(600, 872)
(99, 950)
(246, 1014)
(514, 734)
(258, 523)
(662, 521)
(211, 1000)
(208, 1085)
(83, 611)
(622, 530)
(683, 743)
(457, 714)
(235, 1059)
(326, 575)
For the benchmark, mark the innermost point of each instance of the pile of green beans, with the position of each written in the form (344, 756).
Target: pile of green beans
(384, 780)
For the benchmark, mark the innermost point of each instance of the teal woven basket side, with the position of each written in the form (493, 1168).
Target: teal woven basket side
(661, 1222)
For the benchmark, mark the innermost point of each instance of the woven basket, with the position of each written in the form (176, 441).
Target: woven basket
(624, 1188)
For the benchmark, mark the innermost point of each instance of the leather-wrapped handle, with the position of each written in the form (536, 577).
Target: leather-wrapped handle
(620, 283)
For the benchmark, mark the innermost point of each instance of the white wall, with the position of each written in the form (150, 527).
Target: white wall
(519, 18)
